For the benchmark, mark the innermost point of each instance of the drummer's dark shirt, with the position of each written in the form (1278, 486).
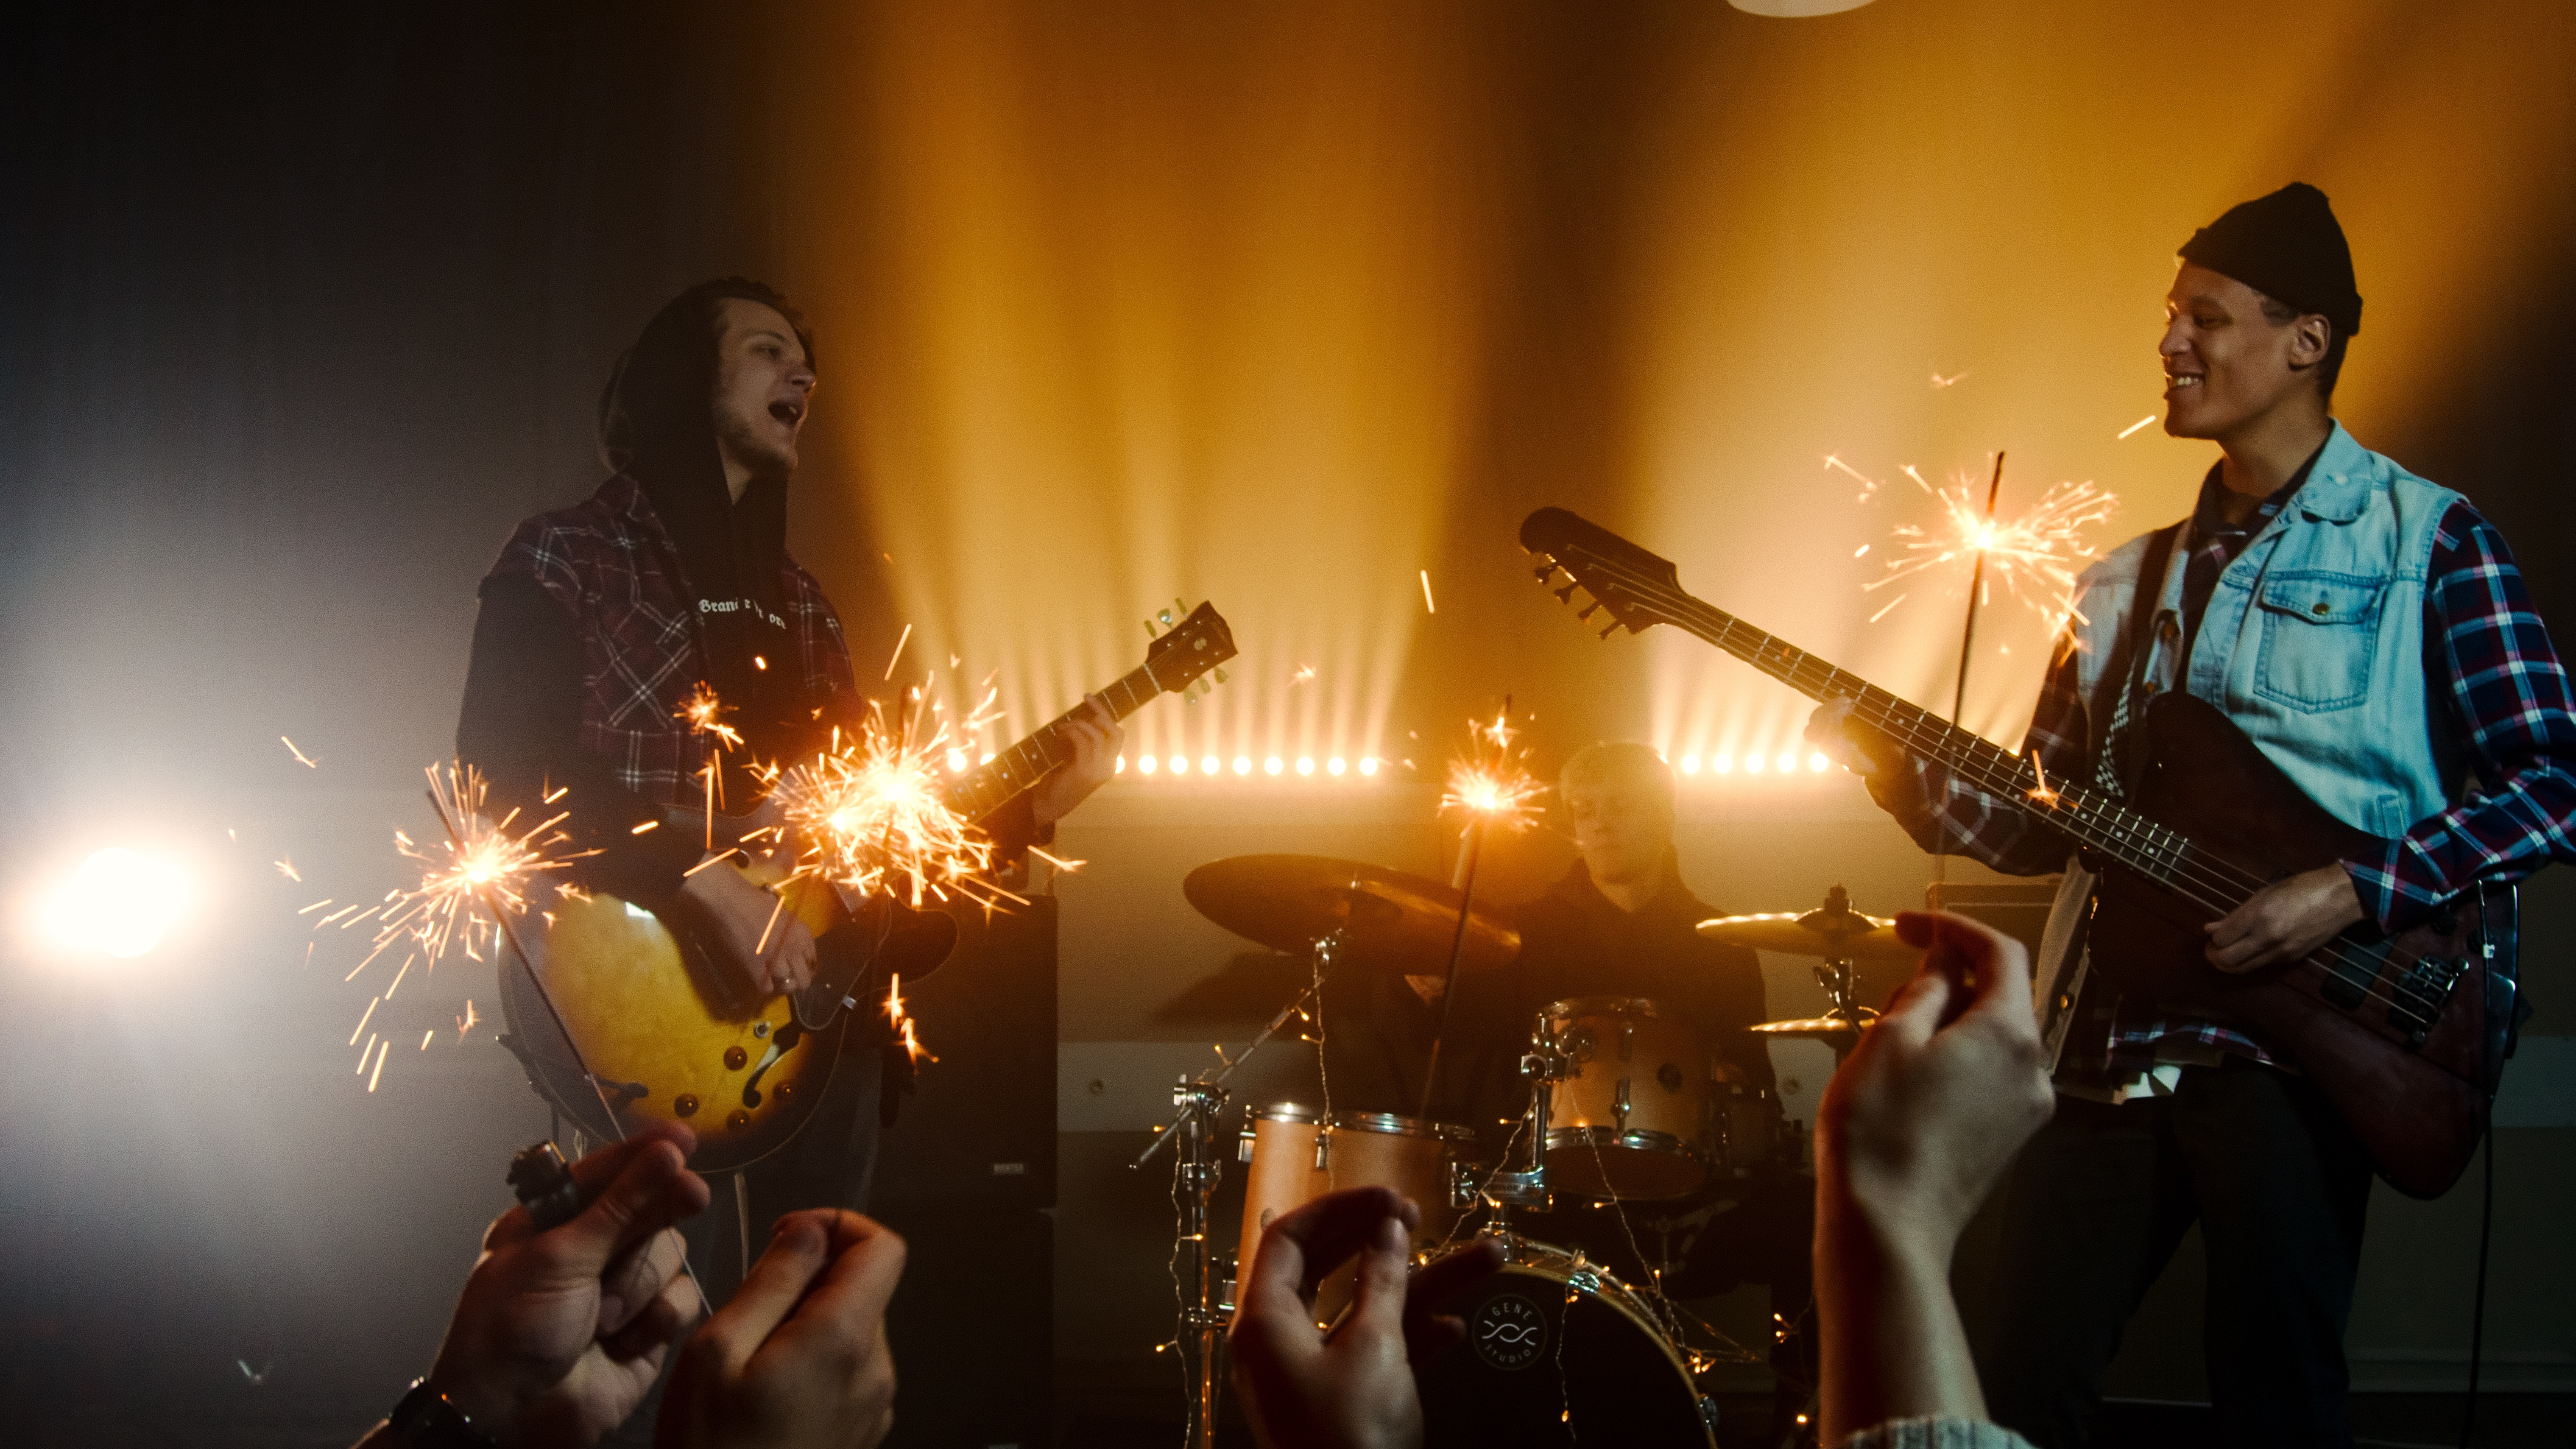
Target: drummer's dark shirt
(1576, 942)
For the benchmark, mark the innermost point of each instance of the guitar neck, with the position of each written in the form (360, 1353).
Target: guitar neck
(2087, 816)
(993, 784)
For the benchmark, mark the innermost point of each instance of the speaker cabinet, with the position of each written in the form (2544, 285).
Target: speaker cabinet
(977, 1131)
(973, 1330)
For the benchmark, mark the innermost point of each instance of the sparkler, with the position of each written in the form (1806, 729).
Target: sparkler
(874, 818)
(300, 756)
(481, 869)
(1492, 787)
(900, 1018)
(2036, 555)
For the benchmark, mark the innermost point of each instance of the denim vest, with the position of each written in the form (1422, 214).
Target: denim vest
(2312, 642)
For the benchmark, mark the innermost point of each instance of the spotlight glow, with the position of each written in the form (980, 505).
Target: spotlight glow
(1180, 764)
(1272, 766)
(1208, 766)
(1788, 762)
(1816, 763)
(1690, 764)
(1148, 764)
(957, 762)
(1335, 765)
(1753, 764)
(119, 903)
(1243, 764)
(1368, 765)
(1121, 767)
(1723, 764)
(1305, 765)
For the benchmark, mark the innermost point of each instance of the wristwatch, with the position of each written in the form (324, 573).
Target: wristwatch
(426, 1419)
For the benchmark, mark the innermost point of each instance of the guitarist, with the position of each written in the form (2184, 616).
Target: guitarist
(599, 621)
(2370, 631)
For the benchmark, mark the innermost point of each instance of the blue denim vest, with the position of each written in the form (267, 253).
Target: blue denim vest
(2312, 642)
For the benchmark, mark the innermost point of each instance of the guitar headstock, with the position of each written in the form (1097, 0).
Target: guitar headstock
(1188, 650)
(1637, 587)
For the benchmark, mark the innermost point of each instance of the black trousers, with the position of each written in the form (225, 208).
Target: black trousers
(2098, 1202)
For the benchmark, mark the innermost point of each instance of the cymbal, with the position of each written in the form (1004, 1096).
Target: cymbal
(1817, 1027)
(1395, 921)
(1829, 933)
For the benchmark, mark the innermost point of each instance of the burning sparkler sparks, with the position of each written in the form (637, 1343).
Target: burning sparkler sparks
(481, 869)
(1492, 785)
(900, 1018)
(2035, 554)
(705, 714)
(874, 817)
(300, 756)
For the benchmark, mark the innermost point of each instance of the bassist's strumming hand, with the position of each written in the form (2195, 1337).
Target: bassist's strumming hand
(2285, 920)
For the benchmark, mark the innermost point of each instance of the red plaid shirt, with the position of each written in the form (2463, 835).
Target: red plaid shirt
(608, 561)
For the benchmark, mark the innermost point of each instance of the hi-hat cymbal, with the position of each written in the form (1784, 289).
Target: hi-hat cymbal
(1835, 932)
(1394, 921)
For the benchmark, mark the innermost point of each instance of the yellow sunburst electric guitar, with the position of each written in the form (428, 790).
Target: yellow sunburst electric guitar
(665, 1035)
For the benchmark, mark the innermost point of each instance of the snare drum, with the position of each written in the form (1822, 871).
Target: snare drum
(1296, 1157)
(1631, 1118)
(1559, 1351)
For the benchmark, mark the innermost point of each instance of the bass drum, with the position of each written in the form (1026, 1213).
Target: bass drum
(1554, 1344)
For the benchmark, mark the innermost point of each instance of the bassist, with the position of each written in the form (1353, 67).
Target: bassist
(2372, 634)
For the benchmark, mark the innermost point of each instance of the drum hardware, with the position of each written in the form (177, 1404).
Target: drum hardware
(1639, 1111)
(1844, 938)
(1196, 1105)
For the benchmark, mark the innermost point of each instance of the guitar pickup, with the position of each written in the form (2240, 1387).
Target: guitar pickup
(2421, 993)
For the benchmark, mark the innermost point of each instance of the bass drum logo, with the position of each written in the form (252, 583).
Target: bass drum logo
(1509, 1332)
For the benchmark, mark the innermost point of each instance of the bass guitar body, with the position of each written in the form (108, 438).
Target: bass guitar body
(2419, 1109)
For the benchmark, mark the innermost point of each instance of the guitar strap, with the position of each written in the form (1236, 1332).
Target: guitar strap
(2061, 991)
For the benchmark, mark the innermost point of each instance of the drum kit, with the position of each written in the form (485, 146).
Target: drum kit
(1628, 1104)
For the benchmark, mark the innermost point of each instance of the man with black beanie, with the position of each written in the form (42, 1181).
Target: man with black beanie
(600, 622)
(2372, 635)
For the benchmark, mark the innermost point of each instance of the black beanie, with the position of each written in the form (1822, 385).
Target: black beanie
(2289, 247)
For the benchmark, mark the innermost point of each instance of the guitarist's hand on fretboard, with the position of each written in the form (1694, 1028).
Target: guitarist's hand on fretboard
(1095, 736)
(1853, 745)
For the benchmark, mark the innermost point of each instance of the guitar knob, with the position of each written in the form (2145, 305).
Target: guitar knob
(737, 1120)
(685, 1105)
(734, 1058)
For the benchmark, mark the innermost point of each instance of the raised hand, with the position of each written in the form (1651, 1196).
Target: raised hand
(798, 1359)
(559, 1334)
(1353, 1388)
(1915, 1129)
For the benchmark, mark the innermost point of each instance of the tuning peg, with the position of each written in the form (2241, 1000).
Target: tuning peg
(1149, 629)
(1610, 628)
(1166, 616)
(1564, 595)
(1544, 572)
(1220, 676)
(1190, 695)
(1181, 604)
(1587, 610)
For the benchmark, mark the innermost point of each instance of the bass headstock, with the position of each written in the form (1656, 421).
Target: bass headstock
(1188, 650)
(1639, 589)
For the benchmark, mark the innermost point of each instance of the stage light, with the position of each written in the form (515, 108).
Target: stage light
(988, 758)
(956, 762)
(119, 903)
(1208, 766)
(1271, 766)
(1788, 762)
(1243, 764)
(1121, 767)
(1690, 764)
(1180, 764)
(1335, 765)
(1723, 764)
(1305, 765)
(1816, 763)
(1147, 763)
(1368, 765)
(1753, 764)
(1793, 10)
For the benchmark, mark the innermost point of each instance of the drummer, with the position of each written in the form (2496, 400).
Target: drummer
(1620, 923)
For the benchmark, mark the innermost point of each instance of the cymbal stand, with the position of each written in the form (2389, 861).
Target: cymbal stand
(1544, 1065)
(1196, 1105)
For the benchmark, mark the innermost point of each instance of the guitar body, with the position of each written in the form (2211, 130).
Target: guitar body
(668, 1040)
(2419, 1109)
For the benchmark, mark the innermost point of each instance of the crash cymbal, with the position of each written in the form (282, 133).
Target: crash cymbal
(1835, 931)
(1394, 921)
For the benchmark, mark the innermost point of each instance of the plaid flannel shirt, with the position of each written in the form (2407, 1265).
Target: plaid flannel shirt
(608, 561)
(2487, 656)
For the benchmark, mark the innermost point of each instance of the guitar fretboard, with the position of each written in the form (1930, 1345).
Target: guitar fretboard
(991, 785)
(2087, 816)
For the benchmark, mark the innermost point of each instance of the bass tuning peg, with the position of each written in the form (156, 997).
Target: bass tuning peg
(1564, 595)
(1149, 630)
(1610, 628)
(1543, 573)
(1587, 610)
(1220, 676)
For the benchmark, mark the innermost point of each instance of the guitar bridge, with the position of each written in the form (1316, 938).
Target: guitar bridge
(2420, 995)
